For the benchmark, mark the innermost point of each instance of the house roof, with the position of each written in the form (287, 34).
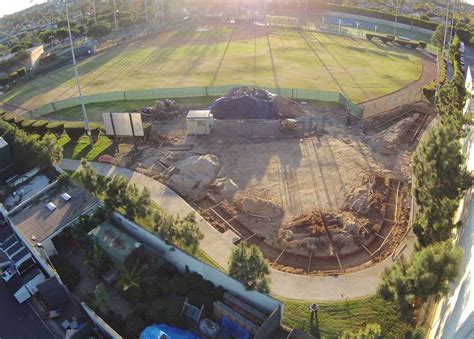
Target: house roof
(36, 219)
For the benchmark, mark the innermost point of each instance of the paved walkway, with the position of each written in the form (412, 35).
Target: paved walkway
(331, 288)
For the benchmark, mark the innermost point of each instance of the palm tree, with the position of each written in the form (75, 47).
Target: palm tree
(131, 278)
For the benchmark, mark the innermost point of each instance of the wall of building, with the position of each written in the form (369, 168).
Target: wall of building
(102, 325)
(35, 55)
(49, 247)
(183, 260)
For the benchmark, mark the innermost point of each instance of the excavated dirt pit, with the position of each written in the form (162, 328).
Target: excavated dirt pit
(326, 202)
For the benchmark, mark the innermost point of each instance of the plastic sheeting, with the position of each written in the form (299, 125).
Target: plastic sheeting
(243, 108)
(232, 330)
(158, 331)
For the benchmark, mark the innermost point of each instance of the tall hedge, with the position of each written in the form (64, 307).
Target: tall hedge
(27, 125)
(56, 127)
(75, 130)
(39, 127)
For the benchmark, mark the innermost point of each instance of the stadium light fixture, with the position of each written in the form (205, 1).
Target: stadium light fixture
(81, 97)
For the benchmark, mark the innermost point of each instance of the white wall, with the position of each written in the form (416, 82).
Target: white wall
(181, 260)
(49, 247)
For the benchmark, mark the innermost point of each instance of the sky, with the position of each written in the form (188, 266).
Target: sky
(12, 6)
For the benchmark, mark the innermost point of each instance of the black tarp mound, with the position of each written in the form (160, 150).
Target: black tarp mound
(244, 107)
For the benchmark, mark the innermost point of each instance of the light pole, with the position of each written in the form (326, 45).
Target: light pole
(445, 28)
(396, 21)
(115, 16)
(81, 97)
(375, 28)
(340, 22)
(146, 13)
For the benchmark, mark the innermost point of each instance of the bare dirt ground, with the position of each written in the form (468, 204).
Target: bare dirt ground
(331, 201)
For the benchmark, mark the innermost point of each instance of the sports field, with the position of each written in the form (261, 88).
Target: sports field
(185, 57)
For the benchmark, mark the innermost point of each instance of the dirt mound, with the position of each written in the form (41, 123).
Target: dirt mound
(387, 141)
(225, 187)
(311, 225)
(192, 176)
(260, 207)
(368, 198)
(165, 109)
(288, 108)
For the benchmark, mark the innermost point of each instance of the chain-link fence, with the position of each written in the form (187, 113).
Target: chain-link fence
(391, 101)
(188, 92)
(245, 128)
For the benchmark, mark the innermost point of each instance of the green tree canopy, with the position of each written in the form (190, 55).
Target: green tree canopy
(248, 266)
(99, 30)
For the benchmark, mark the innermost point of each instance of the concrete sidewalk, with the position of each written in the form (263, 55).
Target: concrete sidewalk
(292, 286)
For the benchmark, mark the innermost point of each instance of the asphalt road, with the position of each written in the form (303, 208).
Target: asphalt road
(19, 320)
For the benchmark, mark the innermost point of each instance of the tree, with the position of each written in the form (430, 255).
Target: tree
(137, 204)
(248, 266)
(440, 179)
(116, 193)
(99, 30)
(62, 33)
(47, 36)
(426, 275)
(49, 153)
(87, 175)
(438, 36)
(125, 23)
(189, 233)
(164, 227)
(8, 66)
(433, 268)
(131, 278)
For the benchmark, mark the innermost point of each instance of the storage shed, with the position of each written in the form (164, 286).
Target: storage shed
(199, 122)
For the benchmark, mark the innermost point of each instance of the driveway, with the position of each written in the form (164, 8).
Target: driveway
(19, 320)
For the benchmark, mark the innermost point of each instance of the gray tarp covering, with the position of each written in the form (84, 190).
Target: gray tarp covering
(244, 107)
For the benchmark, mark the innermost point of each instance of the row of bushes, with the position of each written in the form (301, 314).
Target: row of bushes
(429, 91)
(13, 76)
(75, 130)
(403, 19)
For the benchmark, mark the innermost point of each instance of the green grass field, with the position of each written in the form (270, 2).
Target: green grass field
(222, 56)
(336, 317)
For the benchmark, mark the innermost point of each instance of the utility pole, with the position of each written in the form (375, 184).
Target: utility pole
(95, 12)
(81, 97)
(396, 20)
(452, 23)
(115, 16)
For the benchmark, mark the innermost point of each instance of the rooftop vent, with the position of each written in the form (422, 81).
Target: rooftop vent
(66, 196)
(50, 206)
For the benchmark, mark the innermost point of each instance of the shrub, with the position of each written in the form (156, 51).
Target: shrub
(429, 90)
(39, 127)
(422, 44)
(57, 128)
(75, 130)
(18, 120)
(21, 72)
(9, 117)
(5, 127)
(95, 130)
(27, 125)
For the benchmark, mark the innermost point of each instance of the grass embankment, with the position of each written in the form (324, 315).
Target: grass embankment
(271, 57)
(82, 149)
(336, 317)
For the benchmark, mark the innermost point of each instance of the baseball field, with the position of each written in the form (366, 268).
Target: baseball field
(222, 55)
